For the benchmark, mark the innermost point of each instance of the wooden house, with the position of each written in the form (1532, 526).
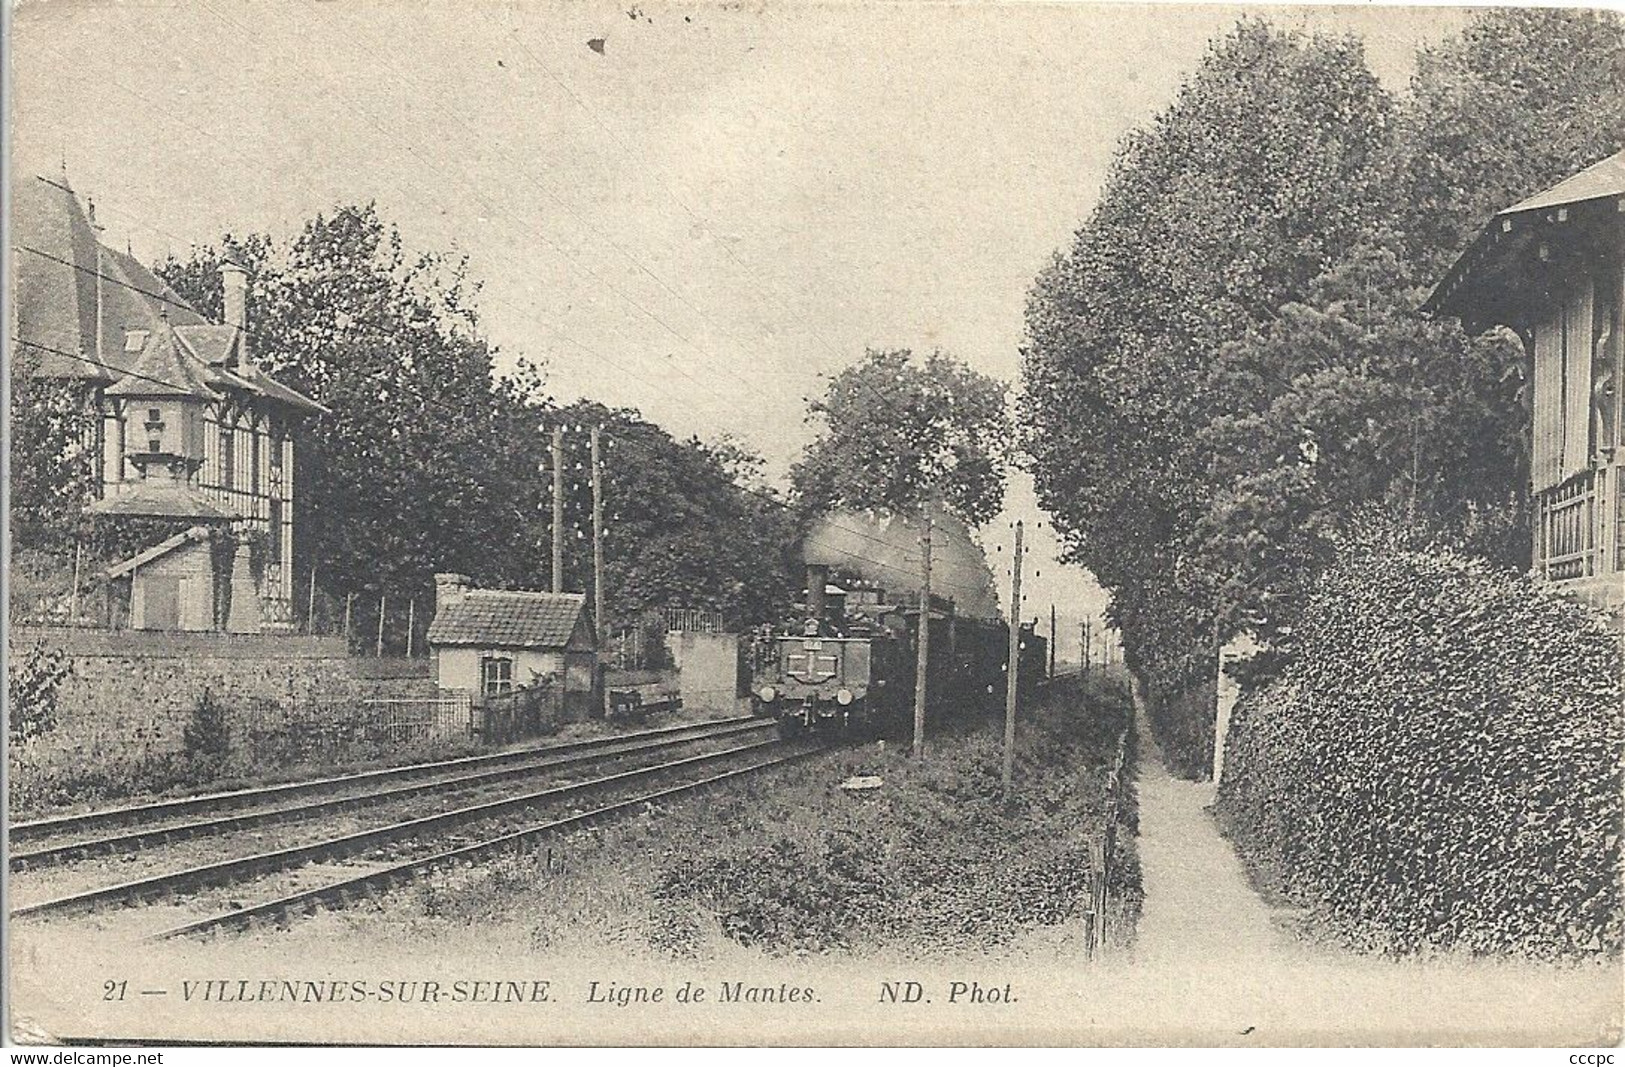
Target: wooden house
(1549, 268)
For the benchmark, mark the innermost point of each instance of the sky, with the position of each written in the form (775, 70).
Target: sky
(697, 210)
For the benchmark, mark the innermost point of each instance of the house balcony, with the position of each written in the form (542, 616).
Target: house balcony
(1580, 536)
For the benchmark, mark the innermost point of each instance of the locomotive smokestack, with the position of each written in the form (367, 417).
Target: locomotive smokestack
(817, 577)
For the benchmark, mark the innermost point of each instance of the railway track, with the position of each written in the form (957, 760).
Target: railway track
(371, 884)
(582, 800)
(360, 790)
(30, 830)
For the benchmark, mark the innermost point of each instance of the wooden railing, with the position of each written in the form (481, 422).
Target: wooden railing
(1102, 857)
(1578, 530)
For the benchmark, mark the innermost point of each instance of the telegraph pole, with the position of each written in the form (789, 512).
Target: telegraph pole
(1088, 648)
(924, 638)
(597, 540)
(558, 509)
(598, 553)
(1053, 641)
(1011, 671)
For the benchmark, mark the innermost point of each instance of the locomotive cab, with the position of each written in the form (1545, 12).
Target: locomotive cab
(822, 680)
(817, 676)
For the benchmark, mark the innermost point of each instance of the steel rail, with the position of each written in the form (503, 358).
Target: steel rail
(542, 760)
(370, 884)
(23, 831)
(226, 871)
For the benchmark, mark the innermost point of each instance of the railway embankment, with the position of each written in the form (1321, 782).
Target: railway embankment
(928, 861)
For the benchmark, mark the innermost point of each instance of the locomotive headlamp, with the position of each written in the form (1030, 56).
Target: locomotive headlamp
(767, 693)
(811, 628)
(843, 697)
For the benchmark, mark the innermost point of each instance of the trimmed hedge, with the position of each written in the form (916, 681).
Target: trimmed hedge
(1438, 766)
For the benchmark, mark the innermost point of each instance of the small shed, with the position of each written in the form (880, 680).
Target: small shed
(175, 584)
(492, 641)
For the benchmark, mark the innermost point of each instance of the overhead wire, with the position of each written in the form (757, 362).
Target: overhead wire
(642, 266)
(766, 497)
(153, 108)
(120, 371)
(497, 207)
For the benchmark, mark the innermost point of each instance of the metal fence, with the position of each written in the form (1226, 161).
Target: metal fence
(693, 620)
(334, 728)
(398, 720)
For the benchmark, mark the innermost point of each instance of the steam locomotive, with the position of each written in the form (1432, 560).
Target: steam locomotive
(847, 664)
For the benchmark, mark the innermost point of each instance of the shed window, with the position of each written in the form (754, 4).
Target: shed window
(496, 674)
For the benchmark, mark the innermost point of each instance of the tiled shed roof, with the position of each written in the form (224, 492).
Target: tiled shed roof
(161, 549)
(507, 619)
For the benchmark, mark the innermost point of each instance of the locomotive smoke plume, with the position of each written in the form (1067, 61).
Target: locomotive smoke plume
(885, 550)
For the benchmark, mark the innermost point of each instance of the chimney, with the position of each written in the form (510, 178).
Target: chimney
(234, 280)
(449, 589)
(817, 577)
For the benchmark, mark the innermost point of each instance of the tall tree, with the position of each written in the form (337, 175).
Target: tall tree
(1206, 403)
(1346, 400)
(53, 462)
(688, 524)
(395, 484)
(1522, 98)
(430, 461)
(897, 433)
(1266, 168)
(1352, 397)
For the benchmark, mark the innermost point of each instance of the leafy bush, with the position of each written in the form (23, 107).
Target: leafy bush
(207, 736)
(37, 673)
(1438, 764)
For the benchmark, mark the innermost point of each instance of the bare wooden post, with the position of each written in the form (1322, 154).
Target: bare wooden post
(383, 602)
(73, 598)
(558, 509)
(310, 603)
(349, 599)
(411, 621)
(1097, 896)
(924, 639)
(1011, 671)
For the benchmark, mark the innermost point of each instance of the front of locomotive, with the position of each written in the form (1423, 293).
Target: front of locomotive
(818, 679)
